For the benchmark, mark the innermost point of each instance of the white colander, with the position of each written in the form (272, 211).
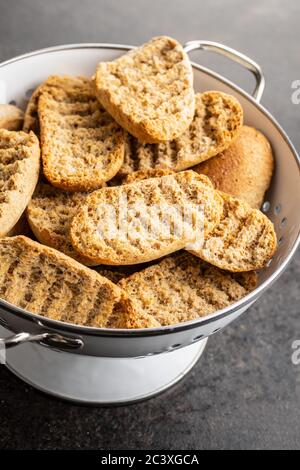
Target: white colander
(115, 366)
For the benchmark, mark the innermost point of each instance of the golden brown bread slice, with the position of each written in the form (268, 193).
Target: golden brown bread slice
(244, 240)
(181, 288)
(245, 169)
(31, 117)
(50, 213)
(146, 220)
(149, 90)
(82, 146)
(43, 281)
(11, 117)
(218, 119)
(19, 172)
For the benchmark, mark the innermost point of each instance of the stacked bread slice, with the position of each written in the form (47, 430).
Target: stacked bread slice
(175, 174)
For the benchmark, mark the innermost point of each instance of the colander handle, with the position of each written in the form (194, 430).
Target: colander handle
(49, 339)
(234, 55)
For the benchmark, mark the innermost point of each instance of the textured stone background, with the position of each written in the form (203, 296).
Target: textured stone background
(245, 392)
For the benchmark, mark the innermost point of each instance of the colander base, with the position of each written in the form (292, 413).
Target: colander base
(103, 381)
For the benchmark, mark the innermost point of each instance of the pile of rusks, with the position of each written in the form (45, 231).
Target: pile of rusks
(135, 130)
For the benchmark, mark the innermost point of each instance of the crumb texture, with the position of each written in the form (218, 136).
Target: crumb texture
(43, 281)
(149, 90)
(82, 146)
(50, 213)
(138, 240)
(181, 288)
(217, 120)
(244, 240)
(19, 171)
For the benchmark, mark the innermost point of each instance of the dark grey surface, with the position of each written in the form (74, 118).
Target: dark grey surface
(245, 392)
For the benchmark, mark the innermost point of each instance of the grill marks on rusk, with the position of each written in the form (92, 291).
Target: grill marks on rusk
(44, 281)
(181, 288)
(182, 190)
(82, 146)
(19, 171)
(217, 121)
(243, 240)
(50, 213)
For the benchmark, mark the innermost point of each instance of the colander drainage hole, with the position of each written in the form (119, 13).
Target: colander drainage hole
(3, 322)
(269, 263)
(280, 240)
(174, 346)
(266, 206)
(197, 338)
(277, 209)
(283, 222)
(216, 331)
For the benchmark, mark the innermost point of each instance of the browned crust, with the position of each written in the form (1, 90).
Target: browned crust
(245, 169)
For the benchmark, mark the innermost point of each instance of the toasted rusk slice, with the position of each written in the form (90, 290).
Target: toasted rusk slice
(44, 281)
(143, 221)
(244, 170)
(11, 117)
(50, 213)
(19, 172)
(82, 146)
(217, 121)
(244, 239)
(31, 117)
(182, 288)
(149, 90)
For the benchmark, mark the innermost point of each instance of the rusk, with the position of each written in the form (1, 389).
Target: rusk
(50, 213)
(132, 241)
(244, 170)
(149, 90)
(217, 121)
(44, 281)
(19, 172)
(182, 288)
(82, 146)
(244, 240)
